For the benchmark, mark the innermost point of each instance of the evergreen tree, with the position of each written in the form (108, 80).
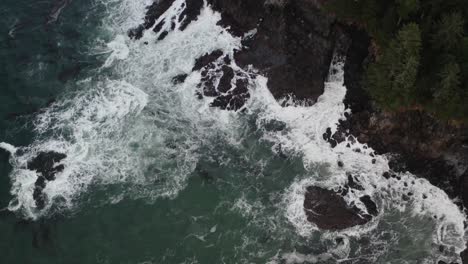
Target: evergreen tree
(448, 32)
(392, 79)
(449, 85)
(421, 52)
(407, 7)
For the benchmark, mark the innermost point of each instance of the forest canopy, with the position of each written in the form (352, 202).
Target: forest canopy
(421, 52)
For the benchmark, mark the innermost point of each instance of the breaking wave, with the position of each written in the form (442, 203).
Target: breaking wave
(132, 125)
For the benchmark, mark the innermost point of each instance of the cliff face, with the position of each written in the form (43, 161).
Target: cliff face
(289, 35)
(289, 41)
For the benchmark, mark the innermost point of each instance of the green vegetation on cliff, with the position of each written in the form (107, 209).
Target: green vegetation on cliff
(421, 50)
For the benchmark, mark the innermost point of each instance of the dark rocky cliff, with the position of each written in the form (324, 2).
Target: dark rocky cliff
(289, 35)
(290, 42)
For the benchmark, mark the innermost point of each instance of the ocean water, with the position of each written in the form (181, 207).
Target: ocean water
(155, 175)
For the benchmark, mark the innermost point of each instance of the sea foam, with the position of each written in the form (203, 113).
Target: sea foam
(131, 126)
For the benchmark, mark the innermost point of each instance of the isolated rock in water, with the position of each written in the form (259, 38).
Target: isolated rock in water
(328, 210)
(46, 163)
(179, 78)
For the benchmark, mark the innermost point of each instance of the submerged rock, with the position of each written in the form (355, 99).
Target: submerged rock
(57, 10)
(328, 210)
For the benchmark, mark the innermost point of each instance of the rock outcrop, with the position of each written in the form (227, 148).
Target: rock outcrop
(155, 12)
(290, 42)
(419, 143)
(328, 210)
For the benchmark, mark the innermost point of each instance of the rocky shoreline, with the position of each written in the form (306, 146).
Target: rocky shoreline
(295, 35)
(292, 42)
(414, 140)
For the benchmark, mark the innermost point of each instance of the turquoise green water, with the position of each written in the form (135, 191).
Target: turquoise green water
(152, 174)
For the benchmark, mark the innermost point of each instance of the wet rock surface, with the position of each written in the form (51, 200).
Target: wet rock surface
(220, 80)
(416, 142)
(163, 25)
(290, 42)
(46, 164)
(154, 12)
(443, 262)
(328, 210)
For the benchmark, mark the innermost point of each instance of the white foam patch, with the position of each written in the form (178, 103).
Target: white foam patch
(119, 50)
(340, 251)
(8, 147)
